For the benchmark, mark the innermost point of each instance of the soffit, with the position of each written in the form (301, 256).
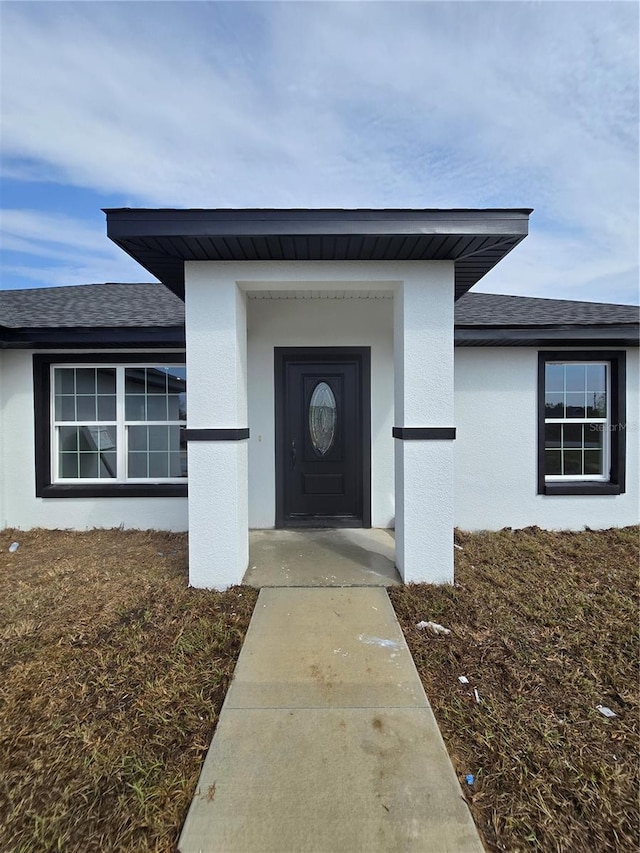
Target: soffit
(162, 240)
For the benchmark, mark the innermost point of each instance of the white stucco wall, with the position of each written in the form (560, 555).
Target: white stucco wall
(216, 334)
(496, 448)
(318, 323)
(18, 504)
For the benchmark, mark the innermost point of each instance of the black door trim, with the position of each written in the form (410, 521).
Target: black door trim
(328, 354)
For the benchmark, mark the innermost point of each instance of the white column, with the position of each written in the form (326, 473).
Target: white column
(216, 335)
(423, 376)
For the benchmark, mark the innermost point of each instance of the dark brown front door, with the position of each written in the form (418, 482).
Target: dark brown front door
(322, 437)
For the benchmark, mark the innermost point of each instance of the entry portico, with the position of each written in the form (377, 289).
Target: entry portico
(319, 348)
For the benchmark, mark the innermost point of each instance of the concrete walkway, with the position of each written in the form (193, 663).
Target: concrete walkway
(326, 742)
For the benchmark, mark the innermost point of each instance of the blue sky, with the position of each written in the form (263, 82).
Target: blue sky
(321, 104)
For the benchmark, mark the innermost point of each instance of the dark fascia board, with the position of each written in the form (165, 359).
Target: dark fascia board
(79, 337)
(174, 337)
(132, 222)
(622, 335)
(162, 240)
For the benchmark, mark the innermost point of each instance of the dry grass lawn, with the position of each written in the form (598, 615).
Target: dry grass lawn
(113, 674)
(545, 626)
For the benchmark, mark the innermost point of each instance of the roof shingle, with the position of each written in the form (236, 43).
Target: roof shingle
(153, 305)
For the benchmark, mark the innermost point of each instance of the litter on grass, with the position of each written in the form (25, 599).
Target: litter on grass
(476, 694)
(14, 547)
(470, 778)
(432, 626)
(606, 712)
(463, 679)
(459, 547)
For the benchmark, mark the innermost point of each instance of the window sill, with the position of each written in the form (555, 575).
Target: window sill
(582, 488)
(114, 490)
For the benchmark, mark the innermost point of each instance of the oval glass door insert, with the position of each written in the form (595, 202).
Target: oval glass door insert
(322, 418)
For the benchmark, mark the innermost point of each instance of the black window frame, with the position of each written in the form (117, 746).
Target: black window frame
(43, 424)
(617, 437)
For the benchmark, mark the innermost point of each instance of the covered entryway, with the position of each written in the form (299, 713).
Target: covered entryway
(323, 437)
(413, 265)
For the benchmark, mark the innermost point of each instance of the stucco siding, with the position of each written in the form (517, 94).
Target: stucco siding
(496, 449)
(318, 323)
(18, 503)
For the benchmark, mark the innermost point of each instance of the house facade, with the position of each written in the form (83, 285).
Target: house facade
(315, 368)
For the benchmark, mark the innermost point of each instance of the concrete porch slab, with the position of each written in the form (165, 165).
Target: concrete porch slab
(335, 557)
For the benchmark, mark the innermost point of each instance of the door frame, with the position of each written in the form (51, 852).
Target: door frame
(362, 355)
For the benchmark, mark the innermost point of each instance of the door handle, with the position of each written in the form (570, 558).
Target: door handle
(293, 453)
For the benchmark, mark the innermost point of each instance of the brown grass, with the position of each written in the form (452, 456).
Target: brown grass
(113, 675)
(545, 626)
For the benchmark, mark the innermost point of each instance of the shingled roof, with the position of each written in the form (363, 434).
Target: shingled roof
(133, 309)
(92, 306)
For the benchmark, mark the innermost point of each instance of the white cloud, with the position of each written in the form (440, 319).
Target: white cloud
(345, 104)
(73, 252)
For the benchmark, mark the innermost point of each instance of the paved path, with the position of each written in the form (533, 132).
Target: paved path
(326, 742)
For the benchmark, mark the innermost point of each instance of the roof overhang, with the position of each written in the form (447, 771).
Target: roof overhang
(162, 240)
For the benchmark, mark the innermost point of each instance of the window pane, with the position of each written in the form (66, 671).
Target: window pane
(108, 465)
(68, 465)
(68, 439)
(158, 464)
(596, 405)
(156, 381)
(554, 377)
(575, 405)
(156, 408)
(175, 436)
(594, 435)
(106, 380)
(554, 406)
(575, 377)
(88, 465)
(104, 437)
(158, 438)
(106, 408)
(552, 462)
(137, 465)
(135, 408)
(134, 380)
(137, 437)
(593, 462)
(572, 436)
(596, 378)
(572, 462)
(86, 408)
(65, 409)
(552, 434)
(175, 403)
(176, 463)
(64, 380)
(85, 380)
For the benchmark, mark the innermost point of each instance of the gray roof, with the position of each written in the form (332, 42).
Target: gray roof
(490, 309)
(153, 305)
(91, 306)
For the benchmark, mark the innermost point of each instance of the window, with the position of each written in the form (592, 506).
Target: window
(105, 428)
(581, 423)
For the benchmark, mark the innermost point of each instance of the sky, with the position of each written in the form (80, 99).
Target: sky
(323, 104)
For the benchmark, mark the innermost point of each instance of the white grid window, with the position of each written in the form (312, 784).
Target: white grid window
(576, 430)
(123, 424)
